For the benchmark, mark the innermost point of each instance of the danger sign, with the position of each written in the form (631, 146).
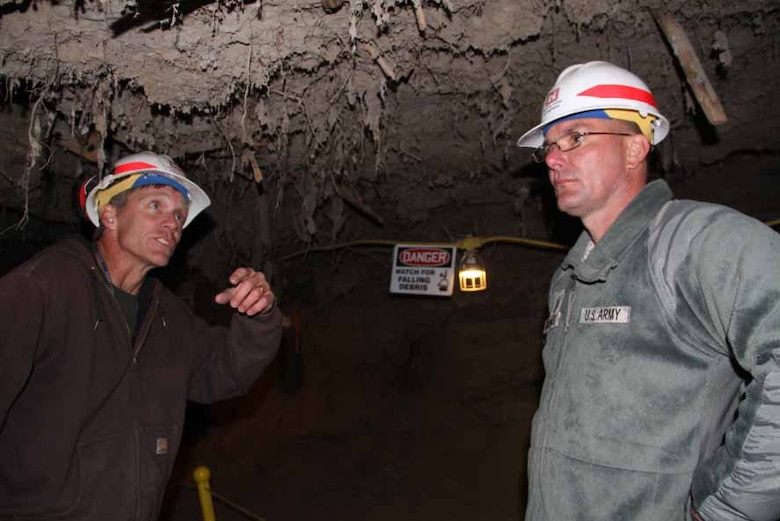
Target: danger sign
(423, 269)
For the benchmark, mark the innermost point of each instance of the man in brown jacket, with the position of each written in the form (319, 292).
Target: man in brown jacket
(97, 360)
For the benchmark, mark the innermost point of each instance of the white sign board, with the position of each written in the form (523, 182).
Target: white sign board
(420, 269)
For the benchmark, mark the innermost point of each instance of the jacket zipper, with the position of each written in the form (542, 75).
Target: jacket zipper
(554, 388)
(107, 286)
(144, 332)
(146, 326)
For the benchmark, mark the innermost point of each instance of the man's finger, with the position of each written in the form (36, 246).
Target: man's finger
(242, 292)
(240, 275)
(254, 295)
(224, 297)
(250, 294)
(261, 305)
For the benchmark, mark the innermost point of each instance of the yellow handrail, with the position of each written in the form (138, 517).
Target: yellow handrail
(202, 475)
(206, 496)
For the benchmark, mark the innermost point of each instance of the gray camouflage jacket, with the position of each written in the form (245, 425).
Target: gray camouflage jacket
(662, 384)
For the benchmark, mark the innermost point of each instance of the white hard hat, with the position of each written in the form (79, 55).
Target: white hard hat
(595, 86)
(152, 169)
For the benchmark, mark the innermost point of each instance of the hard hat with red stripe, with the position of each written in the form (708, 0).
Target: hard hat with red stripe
(599, 89)
(135, 171)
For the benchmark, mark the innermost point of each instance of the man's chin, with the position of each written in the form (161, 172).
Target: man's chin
(568, 206)
(160, 254)
(161, 260)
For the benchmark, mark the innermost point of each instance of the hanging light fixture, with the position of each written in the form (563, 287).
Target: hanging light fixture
(472, 275)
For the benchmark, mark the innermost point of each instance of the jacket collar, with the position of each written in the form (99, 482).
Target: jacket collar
(87, 253)
(630, 224)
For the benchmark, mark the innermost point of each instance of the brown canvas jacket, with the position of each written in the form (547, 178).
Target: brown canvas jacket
(90, 421)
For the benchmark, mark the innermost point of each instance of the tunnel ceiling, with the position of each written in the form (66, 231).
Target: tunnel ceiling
(311, 122)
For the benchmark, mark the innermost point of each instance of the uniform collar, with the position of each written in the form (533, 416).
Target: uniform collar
(628, 227)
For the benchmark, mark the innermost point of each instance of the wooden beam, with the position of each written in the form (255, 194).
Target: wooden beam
(420, 14)
(387, 69)
(249, 157)
(694, 72)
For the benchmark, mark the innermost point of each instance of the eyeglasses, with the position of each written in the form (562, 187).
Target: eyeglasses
(568, 141)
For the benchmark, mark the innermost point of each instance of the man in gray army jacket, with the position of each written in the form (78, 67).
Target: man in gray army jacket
(662, 393)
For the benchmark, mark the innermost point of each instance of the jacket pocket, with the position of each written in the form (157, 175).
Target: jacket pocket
(101, 484)
(109, 477)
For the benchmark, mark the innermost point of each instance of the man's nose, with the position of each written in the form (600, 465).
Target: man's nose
(172, 221)
(554, 156)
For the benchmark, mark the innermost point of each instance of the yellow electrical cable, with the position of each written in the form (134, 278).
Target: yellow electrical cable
(467, 243)
(523, 241)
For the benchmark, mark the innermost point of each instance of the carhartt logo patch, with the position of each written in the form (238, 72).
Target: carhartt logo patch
(162, 446)
(606, 315)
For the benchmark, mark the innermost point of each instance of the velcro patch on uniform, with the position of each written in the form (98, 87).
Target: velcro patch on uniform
(555, 315)
(606, 315)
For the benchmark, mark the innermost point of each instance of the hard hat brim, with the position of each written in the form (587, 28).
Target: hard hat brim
(535, 137)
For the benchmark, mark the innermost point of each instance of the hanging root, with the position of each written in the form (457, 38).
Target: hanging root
(33, 154)
(420, 15)
(230, 146)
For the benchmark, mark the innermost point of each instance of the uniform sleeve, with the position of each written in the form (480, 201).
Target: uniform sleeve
(229, 360)
(738, 272)
(21, 321)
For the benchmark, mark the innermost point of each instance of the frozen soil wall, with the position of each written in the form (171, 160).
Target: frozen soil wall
(354, 116)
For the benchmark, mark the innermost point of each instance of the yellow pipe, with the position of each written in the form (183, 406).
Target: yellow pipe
(469, 243)
(202, 475)
(478, 242)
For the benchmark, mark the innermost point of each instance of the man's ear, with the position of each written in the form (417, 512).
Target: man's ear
(108, 217)
(637, 149)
